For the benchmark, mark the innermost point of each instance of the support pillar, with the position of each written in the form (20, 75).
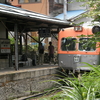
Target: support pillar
(26, 43)
(16, 45)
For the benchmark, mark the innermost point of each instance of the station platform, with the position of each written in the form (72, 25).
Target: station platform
(27, 68)
(26, 81)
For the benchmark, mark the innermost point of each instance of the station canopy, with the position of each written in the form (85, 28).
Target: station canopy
(27, 20)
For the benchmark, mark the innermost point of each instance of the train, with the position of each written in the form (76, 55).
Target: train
(76, 45)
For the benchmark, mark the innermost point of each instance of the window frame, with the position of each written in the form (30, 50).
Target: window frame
(58, 1)
(28, 2)
(91, 49)
(66, 48)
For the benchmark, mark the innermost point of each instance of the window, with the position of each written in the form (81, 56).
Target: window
(87, 44)
(59, 1)
(29, 1)
(68, 44)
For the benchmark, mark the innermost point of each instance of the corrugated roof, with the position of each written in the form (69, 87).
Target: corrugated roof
(70, 14)
(25, 17)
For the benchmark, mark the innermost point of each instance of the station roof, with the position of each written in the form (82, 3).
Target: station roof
(28, 20)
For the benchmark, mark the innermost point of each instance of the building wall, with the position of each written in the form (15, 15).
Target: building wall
(4, 62)
(51, 5)
(2, 31)
(54, 8)
(77, 5)
(41, 7)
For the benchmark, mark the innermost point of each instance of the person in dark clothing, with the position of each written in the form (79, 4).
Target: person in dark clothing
(51, 52)
(41, 54)
(33, 57)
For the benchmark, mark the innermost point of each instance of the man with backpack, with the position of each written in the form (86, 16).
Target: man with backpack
(41, 53)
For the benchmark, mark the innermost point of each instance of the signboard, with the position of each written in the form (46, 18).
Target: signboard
(44, 32)
(4, 46)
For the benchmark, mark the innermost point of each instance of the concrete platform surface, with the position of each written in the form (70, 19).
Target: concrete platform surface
(26, 68)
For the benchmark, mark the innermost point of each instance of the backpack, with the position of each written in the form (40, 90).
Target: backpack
(41, 50)
(24, 57)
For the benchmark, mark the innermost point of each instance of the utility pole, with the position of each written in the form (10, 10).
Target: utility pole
(65, 9)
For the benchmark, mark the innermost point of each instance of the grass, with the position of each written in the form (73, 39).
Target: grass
(87, 87)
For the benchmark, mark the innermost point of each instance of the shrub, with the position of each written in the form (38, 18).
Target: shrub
(85, 87)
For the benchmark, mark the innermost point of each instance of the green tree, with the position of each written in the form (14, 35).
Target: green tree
(93, 10)
(12, 40)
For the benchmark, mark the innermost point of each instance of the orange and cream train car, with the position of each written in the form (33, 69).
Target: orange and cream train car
(76, 46)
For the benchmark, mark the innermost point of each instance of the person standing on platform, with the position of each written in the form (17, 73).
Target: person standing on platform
(51, 52)
(41, 54)
(33, 57)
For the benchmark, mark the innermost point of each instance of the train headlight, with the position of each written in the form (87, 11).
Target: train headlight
(76, 59)
(96, 29)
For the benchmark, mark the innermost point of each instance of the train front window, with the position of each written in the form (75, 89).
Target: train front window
(87, 44)
(68, 44)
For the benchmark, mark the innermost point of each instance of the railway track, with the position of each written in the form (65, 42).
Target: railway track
(31, 96)
(38, 96)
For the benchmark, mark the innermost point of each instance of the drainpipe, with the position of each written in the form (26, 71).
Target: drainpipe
(65, 8)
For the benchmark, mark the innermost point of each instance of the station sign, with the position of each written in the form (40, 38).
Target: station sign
(4, 46)
(44, 32)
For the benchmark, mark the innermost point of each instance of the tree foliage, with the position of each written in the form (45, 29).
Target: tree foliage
(12, 40)
(93, 8)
